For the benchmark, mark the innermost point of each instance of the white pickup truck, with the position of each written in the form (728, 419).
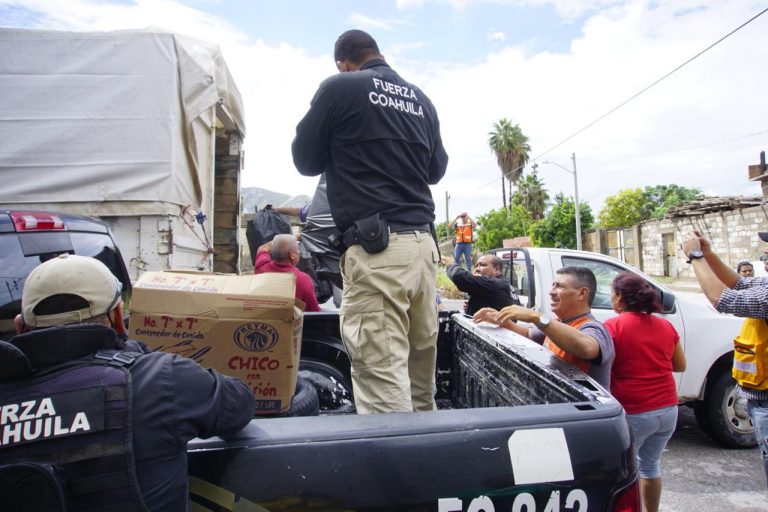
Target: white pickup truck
(705, 334)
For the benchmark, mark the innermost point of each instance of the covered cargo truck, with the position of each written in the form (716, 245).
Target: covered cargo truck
(141, 129)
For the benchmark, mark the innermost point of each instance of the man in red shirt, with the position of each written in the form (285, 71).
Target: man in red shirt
(282, 255)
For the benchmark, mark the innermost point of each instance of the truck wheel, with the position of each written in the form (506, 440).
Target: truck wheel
(305, 401)
(723, 416)
(334, 389)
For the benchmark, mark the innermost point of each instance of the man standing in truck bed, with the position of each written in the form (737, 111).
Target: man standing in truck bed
(377, 138)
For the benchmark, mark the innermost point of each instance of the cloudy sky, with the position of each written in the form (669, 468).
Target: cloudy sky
(552, 66)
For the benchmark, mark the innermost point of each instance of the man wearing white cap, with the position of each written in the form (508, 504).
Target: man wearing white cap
(108, 424)
(746, 297)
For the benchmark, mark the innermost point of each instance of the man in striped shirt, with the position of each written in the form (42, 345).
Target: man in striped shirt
(745, 297)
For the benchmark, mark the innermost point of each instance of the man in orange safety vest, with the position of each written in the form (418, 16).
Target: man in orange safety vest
(464, 227)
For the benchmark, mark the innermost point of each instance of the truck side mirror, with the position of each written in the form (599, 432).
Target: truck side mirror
(667, 302)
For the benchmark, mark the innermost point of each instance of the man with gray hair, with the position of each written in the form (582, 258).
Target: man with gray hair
(572, 334)
(282, 255)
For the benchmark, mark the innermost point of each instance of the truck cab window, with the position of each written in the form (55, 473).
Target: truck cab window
(604, 273)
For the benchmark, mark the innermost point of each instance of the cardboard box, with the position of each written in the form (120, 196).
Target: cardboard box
(248, 327)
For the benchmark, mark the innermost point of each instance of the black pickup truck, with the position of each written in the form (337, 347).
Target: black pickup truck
(517, 429)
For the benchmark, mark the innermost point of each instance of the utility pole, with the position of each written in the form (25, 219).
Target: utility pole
(577, 205)
(447, 215)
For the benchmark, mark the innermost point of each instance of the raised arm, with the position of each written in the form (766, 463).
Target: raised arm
(704, 268)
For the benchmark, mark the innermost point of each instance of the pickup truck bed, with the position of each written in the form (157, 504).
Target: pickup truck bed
(518, 430)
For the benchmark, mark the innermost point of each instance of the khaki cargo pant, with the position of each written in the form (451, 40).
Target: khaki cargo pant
(389, 323)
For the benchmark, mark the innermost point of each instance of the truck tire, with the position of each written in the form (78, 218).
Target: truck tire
(333, 387)
(723, 415)
(305, 401)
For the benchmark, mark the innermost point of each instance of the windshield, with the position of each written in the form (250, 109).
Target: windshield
(22, 252)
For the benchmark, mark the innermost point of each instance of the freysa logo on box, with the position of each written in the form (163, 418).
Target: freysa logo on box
(255, 337)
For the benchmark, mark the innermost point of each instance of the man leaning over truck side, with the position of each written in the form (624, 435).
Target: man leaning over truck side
(486, 286)
(108, 424)
(746, 297)
(377, 138)
(574, 335)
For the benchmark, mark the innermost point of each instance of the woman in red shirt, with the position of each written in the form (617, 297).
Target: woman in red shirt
(647, 352)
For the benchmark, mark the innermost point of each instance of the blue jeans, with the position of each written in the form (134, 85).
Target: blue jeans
(652, 430)
(758, 411)
(464, 248)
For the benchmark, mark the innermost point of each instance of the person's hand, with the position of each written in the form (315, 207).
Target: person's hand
(446, 260)
(266, 247)
(692, 243)
(706, 246)
(517, 313)
(485, 315)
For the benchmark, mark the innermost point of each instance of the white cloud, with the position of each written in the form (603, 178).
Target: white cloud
(568, 9)
(360, 20)
(497, 36)
(403, 5)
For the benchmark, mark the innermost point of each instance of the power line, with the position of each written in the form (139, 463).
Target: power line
(653, 83)
(697, 146)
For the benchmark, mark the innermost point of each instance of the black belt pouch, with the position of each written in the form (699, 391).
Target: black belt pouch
(373, 232)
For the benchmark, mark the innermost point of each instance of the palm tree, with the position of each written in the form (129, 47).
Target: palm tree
(532, 195)
(511, 148)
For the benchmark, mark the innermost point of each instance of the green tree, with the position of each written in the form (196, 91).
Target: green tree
(444, 230)
(496, 225)
(558, 227)
(632, 205)
(626, 208)
(511, 149)
(661, 198)
(532, 195)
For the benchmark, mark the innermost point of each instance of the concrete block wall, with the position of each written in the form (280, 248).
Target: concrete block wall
(651, 243)
(733, 235)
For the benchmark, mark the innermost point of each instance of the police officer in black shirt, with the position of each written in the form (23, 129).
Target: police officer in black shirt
(83, 410)
(377, 138)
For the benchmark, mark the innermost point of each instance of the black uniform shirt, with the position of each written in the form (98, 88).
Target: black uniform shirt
(377, 138)
(484, 291)
(174, 400)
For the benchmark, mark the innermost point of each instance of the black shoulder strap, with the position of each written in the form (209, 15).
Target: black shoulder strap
(118, 359)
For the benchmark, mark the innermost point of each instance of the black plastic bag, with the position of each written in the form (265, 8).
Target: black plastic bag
(264, 226)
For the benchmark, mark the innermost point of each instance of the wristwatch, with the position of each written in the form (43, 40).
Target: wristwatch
(694, 255)
(543, 322)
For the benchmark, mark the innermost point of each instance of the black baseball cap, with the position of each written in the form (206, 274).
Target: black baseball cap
(763, 235)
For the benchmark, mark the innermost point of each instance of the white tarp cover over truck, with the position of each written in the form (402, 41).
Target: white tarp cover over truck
(110, 119)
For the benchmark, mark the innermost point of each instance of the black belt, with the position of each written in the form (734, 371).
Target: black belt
(396, 227)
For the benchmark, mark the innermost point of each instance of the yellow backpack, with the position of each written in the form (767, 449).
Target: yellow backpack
(750, 355)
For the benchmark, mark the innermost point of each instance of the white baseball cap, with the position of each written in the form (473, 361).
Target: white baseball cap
(88, 278)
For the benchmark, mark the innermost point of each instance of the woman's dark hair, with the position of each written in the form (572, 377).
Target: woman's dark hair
(636, 294)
